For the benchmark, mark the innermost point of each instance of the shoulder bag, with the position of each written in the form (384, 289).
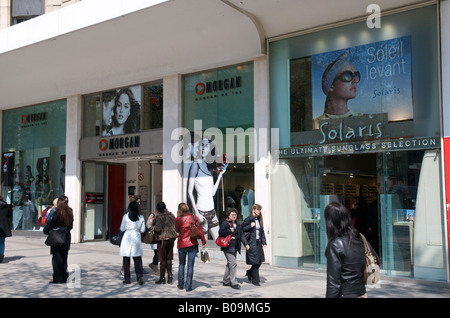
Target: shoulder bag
(224, 241)
(371, 269)
(117, 239)
(56, 237)
(194, 232)
(150, 236)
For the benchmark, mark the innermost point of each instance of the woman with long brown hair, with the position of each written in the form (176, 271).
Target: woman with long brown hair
(63, 219)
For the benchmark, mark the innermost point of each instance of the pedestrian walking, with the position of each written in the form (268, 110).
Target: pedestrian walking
(62, 218)
(164, 226)
(231, 227)
(154, 264)
(5, 225)
(254, 240)
(345, 254)
(133, 224)
(187, 246)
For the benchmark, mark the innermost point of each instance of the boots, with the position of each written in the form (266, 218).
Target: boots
(169, 272)
(1, 257)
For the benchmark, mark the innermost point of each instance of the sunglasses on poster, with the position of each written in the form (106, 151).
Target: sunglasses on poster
(348, 76)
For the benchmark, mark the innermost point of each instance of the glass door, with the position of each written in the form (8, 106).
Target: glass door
(93, 207)
(399, 182)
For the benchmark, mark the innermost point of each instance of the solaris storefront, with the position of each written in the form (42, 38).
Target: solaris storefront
(358, 114)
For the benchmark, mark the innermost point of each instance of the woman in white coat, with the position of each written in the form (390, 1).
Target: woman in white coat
(133, 224)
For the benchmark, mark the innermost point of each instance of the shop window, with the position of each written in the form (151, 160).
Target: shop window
(34, 142)
(218, 106)
(153, 106)
(300, 95)
(92, 113)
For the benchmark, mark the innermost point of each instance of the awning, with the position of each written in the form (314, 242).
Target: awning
(96, 45)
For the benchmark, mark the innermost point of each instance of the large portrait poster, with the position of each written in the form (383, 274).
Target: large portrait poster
(121, 111)
(367, 79)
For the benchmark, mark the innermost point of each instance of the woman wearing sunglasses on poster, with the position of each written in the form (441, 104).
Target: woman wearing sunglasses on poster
(339, 84)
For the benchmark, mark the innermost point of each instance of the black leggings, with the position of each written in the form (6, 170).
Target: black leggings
(59, 263)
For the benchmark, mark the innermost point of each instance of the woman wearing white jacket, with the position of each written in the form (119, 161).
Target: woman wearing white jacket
(133, 224)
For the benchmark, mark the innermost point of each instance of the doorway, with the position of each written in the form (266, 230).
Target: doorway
(107, 188)
(116, 197)
(104, 200)
(380, 190)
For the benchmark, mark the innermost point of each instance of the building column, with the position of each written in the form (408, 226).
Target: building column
(172, 119)
(262, 145)
(73, 164)
(445, 71)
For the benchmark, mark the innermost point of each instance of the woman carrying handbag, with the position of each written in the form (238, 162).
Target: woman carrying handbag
(133, 224)
(187, 246)
(62, 219)
(231, 227)
(164, 226)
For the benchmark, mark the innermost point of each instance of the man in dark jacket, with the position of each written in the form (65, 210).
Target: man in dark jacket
(5, 225)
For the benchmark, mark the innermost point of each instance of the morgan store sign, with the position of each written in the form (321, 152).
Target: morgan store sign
(113, 146)
(145, 143)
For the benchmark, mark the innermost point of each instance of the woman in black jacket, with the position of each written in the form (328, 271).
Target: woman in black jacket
(62, 218)
(254, 240)
(345, 254)
(231, 226)
(5, 225)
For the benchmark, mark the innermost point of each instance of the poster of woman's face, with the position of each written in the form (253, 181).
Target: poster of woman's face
(367, 79)
(121, 111)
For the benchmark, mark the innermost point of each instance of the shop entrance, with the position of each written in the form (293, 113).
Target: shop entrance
(116, 197)
(381, 191)
(107, 189)
(104, 199)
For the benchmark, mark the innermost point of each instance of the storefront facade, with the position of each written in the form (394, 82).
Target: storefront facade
(262, 92)
(359, 118)
(121, 154)
(34, 156)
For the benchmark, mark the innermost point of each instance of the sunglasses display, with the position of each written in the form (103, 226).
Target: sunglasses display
(348, 76)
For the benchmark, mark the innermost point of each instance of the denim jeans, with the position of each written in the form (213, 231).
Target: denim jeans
(190, 252)
(2, 245)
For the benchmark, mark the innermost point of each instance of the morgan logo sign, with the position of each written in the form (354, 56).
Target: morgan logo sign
(218, 85)
(119, 143)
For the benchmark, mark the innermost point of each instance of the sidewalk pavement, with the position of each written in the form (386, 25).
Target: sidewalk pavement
(95, 272)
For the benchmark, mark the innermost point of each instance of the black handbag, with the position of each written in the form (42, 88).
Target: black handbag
(56, 237)
(117, 239)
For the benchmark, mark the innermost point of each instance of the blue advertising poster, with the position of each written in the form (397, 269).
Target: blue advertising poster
(366, 79)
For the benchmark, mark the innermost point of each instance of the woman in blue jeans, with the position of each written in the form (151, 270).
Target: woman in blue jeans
(186, 245)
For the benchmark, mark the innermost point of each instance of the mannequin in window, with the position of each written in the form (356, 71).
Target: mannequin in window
(201, 180)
